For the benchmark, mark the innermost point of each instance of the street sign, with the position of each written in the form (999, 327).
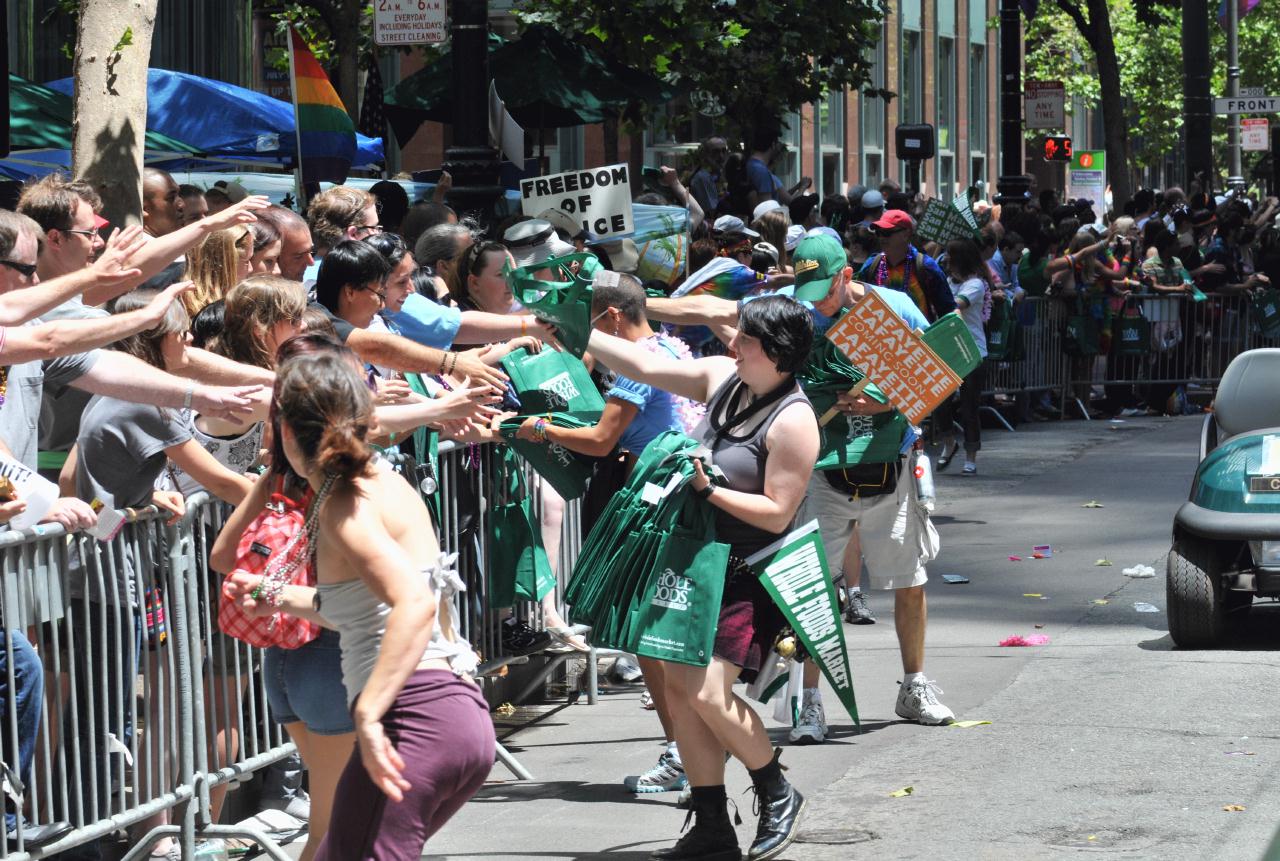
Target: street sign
(1247, 105)
(1087, 178)
(1044, 103)
(1057, 148)
(409, 22)
(1255, 134)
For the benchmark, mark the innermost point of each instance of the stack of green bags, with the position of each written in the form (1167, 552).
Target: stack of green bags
(566, 471)
(650, 576)
(829, 374)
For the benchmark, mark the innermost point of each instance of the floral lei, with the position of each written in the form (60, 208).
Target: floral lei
(690, 412)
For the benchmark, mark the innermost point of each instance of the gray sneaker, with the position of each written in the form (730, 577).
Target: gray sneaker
(666, 776)
(856, 611)
(918, 701)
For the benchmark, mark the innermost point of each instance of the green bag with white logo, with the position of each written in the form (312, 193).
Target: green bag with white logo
(565, 302)
(553, 382)
(518, 564)
(566, 471)
(679, 607)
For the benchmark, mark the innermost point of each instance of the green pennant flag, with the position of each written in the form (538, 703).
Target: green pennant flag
(793, 570)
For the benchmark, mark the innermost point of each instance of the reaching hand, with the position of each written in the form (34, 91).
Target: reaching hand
(170, 501)
(11, 508)
(158, 307)
(112, 268)
(475, 365)
(467, 402)
(224, 402)
(392, 391)
(239, 587)
(238, 213)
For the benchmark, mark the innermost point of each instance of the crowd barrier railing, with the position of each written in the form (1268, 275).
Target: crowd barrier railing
(1186, 343)
(148, 712)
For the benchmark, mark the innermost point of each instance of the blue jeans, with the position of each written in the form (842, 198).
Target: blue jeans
(24, 698)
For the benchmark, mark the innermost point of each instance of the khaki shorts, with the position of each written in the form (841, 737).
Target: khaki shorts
(897, 537)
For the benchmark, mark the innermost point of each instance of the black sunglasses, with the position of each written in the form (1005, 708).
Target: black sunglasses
(26, 270)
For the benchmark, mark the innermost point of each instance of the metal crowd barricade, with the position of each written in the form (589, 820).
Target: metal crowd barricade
(147, 708)
(1190, 344)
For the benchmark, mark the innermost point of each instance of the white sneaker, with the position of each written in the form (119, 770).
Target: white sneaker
(918, 701)
(812, 727)
(666, 776)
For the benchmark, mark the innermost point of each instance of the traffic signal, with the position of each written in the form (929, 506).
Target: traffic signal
(1057, 148)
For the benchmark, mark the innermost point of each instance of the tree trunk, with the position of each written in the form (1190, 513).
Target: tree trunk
(346, 38)
(111, 102)
(1114, 121)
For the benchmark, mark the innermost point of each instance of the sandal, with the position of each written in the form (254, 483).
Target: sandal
(944, 459)
(566, 637)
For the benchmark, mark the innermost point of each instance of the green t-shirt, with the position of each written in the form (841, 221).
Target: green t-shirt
(1032, 276)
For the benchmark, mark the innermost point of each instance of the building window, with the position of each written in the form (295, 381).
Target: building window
(946, 116)
(871, 113)
(831, 142)
(668, 139)
(978, 98)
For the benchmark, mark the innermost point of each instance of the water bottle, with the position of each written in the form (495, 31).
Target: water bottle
(924, 482)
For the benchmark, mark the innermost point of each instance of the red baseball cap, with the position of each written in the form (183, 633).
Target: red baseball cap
(894, 219)
(99, 222)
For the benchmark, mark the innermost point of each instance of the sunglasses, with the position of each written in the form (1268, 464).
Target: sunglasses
(26, 270)
(92, 234)
(381, 294)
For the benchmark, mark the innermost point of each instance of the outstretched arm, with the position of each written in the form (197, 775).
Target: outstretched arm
(695, 379)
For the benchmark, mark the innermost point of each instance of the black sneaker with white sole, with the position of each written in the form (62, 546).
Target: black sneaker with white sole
(856, 611)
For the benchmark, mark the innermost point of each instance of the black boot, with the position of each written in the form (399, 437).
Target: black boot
(712, 837)
(780, 807)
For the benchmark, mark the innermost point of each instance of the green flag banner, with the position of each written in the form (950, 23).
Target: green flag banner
(793, 570)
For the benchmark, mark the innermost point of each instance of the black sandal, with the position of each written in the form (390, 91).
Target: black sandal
(944, 459)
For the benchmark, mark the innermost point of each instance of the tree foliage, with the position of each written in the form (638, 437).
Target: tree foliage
(759, 59)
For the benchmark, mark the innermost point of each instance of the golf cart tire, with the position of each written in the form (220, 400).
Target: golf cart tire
(1197, 609)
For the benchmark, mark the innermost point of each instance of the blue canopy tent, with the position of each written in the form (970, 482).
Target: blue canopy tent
(229, 124)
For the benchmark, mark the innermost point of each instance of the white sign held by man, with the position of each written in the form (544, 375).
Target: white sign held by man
(598, 198)
(409, 22)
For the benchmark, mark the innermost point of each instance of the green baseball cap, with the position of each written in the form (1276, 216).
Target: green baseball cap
(817, 259)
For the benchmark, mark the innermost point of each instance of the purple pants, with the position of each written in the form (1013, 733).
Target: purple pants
(440, 726)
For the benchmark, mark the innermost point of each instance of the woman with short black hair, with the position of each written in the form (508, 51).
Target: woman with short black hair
(763, 436)
(350, 280)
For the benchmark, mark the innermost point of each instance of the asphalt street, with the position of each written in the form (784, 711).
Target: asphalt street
(1105, 740)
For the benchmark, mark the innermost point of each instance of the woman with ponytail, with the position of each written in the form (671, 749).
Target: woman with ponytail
(423, 733)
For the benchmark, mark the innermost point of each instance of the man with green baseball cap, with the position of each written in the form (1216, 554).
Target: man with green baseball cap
(817, 260)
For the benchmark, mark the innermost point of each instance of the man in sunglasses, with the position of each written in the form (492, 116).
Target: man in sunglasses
(900, 266)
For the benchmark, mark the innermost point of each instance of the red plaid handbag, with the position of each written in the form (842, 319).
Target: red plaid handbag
(279, 545)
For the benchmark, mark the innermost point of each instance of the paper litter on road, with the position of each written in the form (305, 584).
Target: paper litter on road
(1032, 595)
(1233, 808)
(1015, 558)
(1144, 607)
(1093, 503)
(1238, 753)
(1032, 640)
(1042, 551)
(505, 710)
(1139, 572)
(1101, 601)
(969, 724)
(954, 578)
(1103, 563)
(903, 792)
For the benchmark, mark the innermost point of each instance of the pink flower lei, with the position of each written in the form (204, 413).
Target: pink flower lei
(689, 412)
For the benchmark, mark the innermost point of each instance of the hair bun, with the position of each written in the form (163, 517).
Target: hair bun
(342, 449)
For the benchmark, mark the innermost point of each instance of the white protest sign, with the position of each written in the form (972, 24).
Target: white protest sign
(409, 22)
(598, 198)
(37, 492)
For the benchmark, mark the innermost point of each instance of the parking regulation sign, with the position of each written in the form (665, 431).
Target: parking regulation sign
(408, 22)
(1253, 134)
(1044, 105)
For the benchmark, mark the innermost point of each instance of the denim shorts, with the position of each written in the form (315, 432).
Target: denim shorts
(305, 685)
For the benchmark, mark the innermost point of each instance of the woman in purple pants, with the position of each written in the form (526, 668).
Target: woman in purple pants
(425, 742)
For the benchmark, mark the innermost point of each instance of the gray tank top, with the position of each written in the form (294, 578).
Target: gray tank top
(361, 619)
(743, 463)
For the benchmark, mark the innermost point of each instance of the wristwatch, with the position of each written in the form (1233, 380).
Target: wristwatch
(315, 601)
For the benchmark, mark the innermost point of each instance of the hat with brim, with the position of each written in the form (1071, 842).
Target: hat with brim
(894, 219)
(534, 241)
(765, 206)
(563, 222)
(818, 259)
(733, 224)
(623, 255)
(99, 222)
(794, 234)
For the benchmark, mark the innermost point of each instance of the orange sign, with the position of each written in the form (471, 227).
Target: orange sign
(894, 357)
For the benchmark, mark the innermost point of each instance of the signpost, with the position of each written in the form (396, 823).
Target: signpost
(408, 22)
(1254, 134)
(599, 198)
(1247, 105)
(1045, 104)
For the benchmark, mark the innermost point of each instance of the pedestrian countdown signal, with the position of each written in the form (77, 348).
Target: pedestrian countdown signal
(1057, 148)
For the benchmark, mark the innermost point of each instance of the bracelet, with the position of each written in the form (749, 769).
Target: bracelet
(540, 430)
(706, 492)
(1071, 261)
(444, 358)
(186, 399)
(524, 326)
(453, 363)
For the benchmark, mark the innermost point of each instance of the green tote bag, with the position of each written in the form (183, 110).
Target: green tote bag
(553, 382)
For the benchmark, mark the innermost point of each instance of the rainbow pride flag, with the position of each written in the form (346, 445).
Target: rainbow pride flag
(326, 134)
(722, 277)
